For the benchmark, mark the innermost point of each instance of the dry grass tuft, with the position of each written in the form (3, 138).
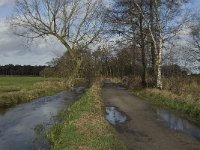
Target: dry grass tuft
(179, 93)
(92, 126)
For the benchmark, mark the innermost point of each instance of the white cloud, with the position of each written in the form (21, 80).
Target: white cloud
(14, 50)
(2, 2)
(6, 2)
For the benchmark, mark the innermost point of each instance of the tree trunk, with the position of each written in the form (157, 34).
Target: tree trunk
(153, 51)
(74, 74)
(144, 64)
(159, 64)
(142, 44)
(159, 49)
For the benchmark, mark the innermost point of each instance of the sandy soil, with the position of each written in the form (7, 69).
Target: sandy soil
(143, 130)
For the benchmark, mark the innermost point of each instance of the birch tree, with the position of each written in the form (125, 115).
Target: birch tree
(160, 27)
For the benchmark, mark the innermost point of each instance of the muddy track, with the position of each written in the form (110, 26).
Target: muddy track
(143, 130)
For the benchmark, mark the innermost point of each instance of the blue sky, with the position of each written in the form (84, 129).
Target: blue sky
(6, 7)
(13, 49)
(5, 11)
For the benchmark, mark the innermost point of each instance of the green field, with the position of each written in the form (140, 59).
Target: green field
(15, 90)
(12, 83)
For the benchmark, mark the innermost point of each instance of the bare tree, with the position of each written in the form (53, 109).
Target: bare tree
(195, 33)
(192, 52)
(125, 20)
(161, 14)
(72, 22)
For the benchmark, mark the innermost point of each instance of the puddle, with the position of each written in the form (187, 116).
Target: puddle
(80, 89)
(114, 116)
(119, 87)
(17, 124)
(2, 111)
(178, 124)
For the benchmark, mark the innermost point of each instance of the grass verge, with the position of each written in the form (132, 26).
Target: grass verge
(37, 90)
(181, 94)
(187, 107)
(85, 127)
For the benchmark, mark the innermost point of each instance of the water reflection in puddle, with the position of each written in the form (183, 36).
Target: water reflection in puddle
(17, 124)
(2, 111)
(177, 123)
(114, 116)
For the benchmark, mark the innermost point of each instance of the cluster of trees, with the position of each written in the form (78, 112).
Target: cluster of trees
(147, 26)
(21, 70)
(108, 62)
(131, 37)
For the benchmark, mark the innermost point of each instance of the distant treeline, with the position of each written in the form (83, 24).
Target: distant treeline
(21, 70)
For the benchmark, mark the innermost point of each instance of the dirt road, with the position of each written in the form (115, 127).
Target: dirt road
(143, 130)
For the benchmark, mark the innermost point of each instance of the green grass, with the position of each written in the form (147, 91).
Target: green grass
(85, 127)
(13, 83)
(15, 90)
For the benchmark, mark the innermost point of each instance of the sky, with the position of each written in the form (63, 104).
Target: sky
(14, 49)
(18, 50)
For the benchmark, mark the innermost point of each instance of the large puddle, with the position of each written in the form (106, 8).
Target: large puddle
(167, 117)
(17, 124)
(114, 116)
(179, 124)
